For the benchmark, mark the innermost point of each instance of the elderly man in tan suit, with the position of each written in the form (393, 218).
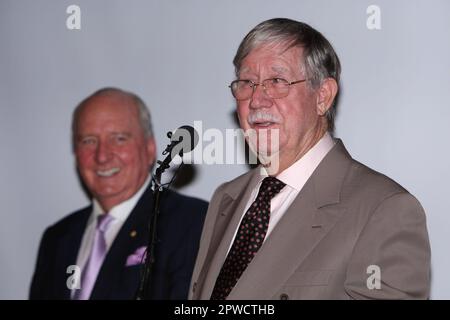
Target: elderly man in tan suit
(311, 222)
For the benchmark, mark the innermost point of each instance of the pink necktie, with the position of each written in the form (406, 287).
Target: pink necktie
(98, 252)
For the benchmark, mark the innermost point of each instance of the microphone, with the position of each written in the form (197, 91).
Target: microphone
(183, 140)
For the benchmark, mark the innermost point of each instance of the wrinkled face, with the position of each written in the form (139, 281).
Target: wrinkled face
(296, 116)
(113, 155)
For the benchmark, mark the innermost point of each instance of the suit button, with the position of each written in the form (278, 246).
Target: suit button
(284, 296)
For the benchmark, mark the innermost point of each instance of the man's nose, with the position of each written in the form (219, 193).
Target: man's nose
(259, 98)
(103, 152)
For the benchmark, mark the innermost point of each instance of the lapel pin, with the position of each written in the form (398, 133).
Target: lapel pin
(133, 233)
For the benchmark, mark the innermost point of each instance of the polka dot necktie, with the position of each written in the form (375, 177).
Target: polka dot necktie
(248, 240)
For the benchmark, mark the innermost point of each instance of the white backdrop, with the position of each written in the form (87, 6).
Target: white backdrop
(393, 112)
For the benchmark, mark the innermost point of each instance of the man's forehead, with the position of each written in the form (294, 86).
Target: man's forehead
(272, 51)
(275, 48)
(102, 117)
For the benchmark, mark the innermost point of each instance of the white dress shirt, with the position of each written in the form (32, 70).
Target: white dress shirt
(295, 178)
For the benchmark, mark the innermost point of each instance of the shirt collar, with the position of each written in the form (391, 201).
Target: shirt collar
(299, 172)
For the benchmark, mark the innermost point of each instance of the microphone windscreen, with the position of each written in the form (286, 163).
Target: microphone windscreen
(187, 136)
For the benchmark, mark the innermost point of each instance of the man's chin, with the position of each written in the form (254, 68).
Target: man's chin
(106, 194)
(270, 161)
(263, 150)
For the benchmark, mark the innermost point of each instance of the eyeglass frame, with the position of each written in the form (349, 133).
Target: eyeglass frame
(255, 84)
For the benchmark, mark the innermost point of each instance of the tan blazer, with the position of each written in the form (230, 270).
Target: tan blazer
(348, 227)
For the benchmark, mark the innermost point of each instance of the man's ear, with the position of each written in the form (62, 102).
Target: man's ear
(151, 150)
(326, 94)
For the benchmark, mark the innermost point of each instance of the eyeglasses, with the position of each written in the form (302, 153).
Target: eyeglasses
(275, 88)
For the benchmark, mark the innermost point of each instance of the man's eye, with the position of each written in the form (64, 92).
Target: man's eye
(121, 138)
(278, 81)
(244, 84)
(87, 141)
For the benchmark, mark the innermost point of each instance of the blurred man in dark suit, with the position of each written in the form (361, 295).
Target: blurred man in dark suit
(115, 150)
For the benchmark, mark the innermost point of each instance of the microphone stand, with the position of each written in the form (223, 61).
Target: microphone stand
(146, 276)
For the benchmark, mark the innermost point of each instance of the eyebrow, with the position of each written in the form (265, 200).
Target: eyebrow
(127, 133)
(114, 133)
(277, 69)
(80, 138)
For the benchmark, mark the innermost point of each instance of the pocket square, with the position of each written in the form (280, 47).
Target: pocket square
(138, 257)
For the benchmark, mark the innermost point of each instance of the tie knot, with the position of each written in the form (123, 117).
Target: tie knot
(103, 222)
(270, 187)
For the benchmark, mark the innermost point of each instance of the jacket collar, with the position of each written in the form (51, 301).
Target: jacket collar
(328, 177)
(311, 216)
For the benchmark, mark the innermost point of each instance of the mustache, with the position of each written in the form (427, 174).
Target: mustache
(261, 116)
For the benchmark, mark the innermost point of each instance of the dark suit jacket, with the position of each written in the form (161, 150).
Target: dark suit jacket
(179, 228)
(346, 222)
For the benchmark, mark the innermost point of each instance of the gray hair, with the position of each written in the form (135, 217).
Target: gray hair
(320, 61)
(145, 119)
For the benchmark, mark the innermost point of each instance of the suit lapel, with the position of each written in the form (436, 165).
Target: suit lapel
(311, 216)
(308, 220)
(228, 217)
(301, 228)
(132, 235)
(68, 251)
